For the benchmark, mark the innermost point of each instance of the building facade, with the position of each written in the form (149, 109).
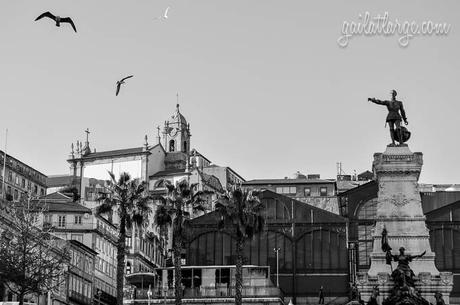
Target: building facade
(20, 179)
(321, 193)
(74, 222)
(80, 278)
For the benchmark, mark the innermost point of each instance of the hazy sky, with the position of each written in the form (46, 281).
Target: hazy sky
(264, 84)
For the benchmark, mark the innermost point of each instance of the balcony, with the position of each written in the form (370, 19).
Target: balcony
(106, 232)
(79, 298)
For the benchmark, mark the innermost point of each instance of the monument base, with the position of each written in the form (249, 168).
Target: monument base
(426, 285)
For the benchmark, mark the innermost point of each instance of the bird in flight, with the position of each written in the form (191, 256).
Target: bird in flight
(57, 19)
(165, 15)
(120, 82)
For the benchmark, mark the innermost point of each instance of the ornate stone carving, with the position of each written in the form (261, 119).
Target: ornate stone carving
(425, 277)
(382, 277)
(447, 278)
(398, 199)
(361, 277)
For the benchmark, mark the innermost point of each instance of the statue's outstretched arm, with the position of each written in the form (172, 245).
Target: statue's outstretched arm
(376, 101)
(417, 256)
(421, 255)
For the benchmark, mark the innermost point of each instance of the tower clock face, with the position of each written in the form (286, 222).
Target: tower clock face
(173, 132)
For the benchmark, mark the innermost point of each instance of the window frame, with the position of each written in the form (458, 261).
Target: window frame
(321, 188)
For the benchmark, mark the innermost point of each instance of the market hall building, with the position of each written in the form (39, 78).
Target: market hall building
(320, 248)
(312, 243)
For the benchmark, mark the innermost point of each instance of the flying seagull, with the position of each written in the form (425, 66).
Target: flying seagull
(57, 19)
(120, 82)
(165, 15)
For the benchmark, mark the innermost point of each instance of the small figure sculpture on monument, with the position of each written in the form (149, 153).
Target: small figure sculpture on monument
(395, 113)
(404, 292)
(403, 275)
(374, 295)
(439, 299)
(355, 295)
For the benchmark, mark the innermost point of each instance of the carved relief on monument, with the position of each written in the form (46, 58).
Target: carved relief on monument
(425, 277)
(447, 278)
(398, 199)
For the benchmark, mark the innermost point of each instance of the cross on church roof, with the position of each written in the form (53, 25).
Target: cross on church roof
(87, 134)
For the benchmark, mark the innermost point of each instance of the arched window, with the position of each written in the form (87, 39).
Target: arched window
(320, 250)
(366, 213)
(218, 248)
(171, 145)
(184, 148)
(368, 210)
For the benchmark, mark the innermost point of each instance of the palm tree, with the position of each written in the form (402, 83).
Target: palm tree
(240, 212)
(174, 210)
(129, 199)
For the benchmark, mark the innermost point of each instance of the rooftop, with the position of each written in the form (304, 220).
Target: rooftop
(60, 180)
(82, 246)
(58, 202)
(56, 196)
(169, 172)
(71, 207)
(287, 181)
(212, 181)
(127, 152)
(2, 157)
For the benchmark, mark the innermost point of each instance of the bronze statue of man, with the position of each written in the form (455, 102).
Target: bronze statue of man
(403, 273)
(395, 113)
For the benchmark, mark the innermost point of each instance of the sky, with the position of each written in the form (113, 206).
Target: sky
(264, 84)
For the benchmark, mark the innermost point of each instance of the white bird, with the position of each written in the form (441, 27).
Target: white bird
(165, 15)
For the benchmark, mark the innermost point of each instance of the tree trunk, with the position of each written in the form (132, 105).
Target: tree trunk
(239, 271)
(21, 298)
(121, 259)
(177, 247)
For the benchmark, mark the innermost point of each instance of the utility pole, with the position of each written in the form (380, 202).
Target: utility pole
(277, 250)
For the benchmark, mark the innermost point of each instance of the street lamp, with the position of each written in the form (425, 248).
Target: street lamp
(277, 250)
(149, 293)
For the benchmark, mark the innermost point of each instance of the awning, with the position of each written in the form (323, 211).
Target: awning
(141, 279)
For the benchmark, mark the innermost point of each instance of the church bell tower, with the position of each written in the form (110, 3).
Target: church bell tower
(176, 133)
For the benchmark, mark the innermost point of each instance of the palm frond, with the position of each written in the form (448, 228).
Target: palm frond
(241, 211)
(139, 219)
(105, 207)
(163, 216)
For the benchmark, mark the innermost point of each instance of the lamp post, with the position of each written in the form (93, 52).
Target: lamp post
(277, 250)
(149, 293)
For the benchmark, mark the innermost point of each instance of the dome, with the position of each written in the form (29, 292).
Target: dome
(178, 118)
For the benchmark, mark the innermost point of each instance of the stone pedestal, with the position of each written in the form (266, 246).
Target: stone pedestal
(399, 210)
